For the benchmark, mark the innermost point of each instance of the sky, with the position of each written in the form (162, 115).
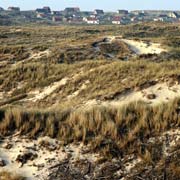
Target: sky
(107, 5)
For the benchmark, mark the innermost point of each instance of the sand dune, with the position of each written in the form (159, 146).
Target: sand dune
(162, 94)
(140, 47)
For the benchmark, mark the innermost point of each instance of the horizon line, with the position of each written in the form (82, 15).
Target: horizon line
(24, 9)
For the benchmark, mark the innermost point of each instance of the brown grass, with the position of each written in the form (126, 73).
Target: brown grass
(114, 132)
(107, 80)
(122, 129)
(9, 176)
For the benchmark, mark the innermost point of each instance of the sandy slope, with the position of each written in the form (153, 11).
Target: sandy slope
(140, 47)
(162, 91)
(33, 55)
(47, 90)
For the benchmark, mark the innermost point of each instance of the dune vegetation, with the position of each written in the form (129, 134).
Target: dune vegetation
(8, 176)
(51, 75)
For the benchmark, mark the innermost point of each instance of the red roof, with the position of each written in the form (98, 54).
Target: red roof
(116, 18)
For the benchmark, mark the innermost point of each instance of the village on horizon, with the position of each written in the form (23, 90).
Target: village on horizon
(73, 15)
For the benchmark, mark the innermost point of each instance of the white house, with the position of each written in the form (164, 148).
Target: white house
(93, 16)
(158, 19)
(40, 15)
(91, 20)
(173, 15)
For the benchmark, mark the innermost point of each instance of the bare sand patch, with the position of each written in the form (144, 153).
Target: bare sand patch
(140, 47)
(49, 153)
(46, 91)
(163, 94)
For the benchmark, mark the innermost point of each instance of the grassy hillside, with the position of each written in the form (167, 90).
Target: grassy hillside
(50, 77)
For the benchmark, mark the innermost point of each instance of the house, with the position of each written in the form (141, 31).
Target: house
(47, 9)
(41, 11)
(17, 9)
(116, 20)
(71, 10)
(160, 19)
(122, 12)
(93, 15)
(44, 10)
(57, 19)
(1, 9)
(41, 15)
(138, 13)
(56, 13)
(98, 12)
(76, 20)
(134, 19)
(90, 20)
(173, 15)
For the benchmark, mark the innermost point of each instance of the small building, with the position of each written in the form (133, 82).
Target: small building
(56, 13)
(71, 10)
(41, 15)
(1, 9)
(159, 19)
(44, 10)
(90, 20)
(11, 8)
(173, 15)
(134, 19)
(123, 12)
(47, 9)
(57, 19)
(98, 12)
(75, 20)
(41, 11)
(93, 15)
(116, 20)
(138, 13)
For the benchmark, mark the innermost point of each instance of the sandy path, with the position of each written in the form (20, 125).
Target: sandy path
(39, 95)
(34, 56)
(48, 90)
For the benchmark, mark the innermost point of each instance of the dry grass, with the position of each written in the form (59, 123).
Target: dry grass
(9, 176)
(114, 131)
(160, 167)
(107, 80)
(71, 52)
